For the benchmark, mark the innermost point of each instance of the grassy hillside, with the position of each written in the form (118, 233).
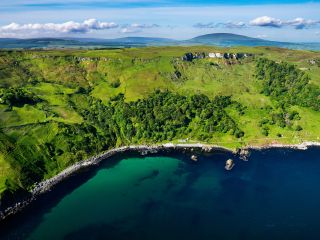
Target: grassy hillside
(58, 107)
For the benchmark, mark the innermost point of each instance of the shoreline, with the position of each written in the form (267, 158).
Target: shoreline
(300, 146)
(46, 185)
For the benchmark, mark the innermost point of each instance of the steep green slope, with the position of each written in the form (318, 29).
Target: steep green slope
(59, 107)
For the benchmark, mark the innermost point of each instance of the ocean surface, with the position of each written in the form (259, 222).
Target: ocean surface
(274, 195)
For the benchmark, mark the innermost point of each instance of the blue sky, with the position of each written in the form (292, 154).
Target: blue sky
(285, 20)
(20, 5)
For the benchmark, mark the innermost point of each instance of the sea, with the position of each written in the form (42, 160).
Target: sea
(166, 195)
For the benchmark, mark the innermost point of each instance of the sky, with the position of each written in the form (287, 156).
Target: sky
(281, 20)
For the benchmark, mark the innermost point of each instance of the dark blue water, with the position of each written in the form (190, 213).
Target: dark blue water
(275, 195)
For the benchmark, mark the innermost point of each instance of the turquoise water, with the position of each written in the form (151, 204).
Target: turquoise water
(275, 195)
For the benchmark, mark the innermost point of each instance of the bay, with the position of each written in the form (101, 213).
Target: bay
(274, 195)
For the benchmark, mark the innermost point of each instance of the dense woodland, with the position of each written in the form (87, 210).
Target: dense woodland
(287, 84)
(161, 116)
(17, 97)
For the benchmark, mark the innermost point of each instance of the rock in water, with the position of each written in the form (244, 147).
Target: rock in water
(229, 164)
(244, 154)
(194, 158)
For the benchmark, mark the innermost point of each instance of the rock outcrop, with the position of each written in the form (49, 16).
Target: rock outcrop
(229, 164)
(244, 154)
(194, 158)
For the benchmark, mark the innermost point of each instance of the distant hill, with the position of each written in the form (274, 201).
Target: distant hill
(145, 40)
(229, 40)
(224, 37)
(13, 43)
(135, 40)
(216, 39)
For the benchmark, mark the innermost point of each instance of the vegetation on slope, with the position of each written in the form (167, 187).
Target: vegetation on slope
(163, 116)
(160, 117)
(287, 84)
(59, 107)
(18, 97)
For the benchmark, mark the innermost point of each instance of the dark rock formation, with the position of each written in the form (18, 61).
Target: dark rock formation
(188, 57)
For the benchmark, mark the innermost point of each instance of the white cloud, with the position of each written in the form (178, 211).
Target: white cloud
(15, 29)
(300, 23)
(266, 21)
(297, 23)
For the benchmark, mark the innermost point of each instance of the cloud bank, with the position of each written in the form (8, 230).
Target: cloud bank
(70, 27)
(55, 28)
(297, 23)
(264, 21)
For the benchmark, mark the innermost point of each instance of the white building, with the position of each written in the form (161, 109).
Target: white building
(215, 55)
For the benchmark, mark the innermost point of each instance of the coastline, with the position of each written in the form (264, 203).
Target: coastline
(300, 146)
(46, 185)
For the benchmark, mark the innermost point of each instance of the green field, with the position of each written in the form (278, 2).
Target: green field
(72, 105)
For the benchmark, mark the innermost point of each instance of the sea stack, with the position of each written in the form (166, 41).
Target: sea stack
(194, 158)
(229, 164)
(244, 154)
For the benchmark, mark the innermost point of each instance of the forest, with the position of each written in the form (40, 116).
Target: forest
(287, 84)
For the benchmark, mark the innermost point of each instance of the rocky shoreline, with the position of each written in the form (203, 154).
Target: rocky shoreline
(46, 185)
(301, 146)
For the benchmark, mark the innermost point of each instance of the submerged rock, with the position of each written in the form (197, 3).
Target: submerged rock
(194, 158)
(229, 164)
